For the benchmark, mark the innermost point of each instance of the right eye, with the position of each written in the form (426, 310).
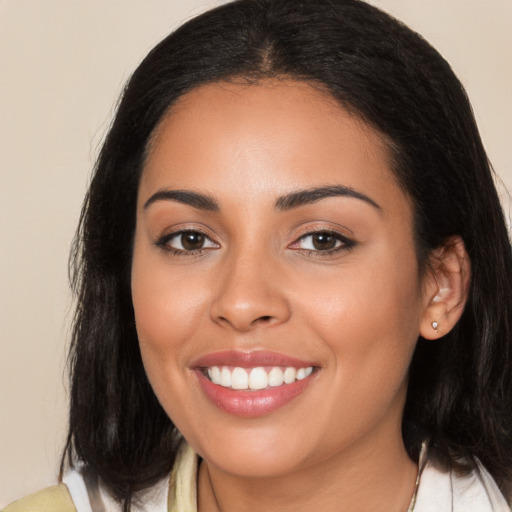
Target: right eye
(186, 242)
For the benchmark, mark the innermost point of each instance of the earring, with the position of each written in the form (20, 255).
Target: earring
(435, 325)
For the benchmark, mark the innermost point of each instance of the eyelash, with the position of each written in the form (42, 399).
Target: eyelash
(345, 244)
(342, 243)
(164, 243)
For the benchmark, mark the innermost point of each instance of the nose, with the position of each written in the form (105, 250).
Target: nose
(249, 294)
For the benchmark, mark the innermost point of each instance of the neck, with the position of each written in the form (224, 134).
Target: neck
(370, 476)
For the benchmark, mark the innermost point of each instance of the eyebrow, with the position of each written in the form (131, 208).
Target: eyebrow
(312, 195)
(283, 203)
(195, 199)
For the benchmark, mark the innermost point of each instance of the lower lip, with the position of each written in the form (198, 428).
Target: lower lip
(250, 404)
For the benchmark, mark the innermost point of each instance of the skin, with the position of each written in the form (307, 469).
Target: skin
(258, 283)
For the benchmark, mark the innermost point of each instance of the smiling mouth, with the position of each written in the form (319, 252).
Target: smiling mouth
(256, 378)
(255, 383)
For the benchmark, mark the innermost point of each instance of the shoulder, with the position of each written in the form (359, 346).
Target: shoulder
(447, 491)
(51, 499)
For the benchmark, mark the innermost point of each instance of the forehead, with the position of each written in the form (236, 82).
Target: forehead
(244, 137)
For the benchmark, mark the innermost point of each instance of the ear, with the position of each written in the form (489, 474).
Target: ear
(446, 287)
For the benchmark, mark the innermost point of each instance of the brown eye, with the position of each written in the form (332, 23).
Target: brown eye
(323, 241)
(327, 242)
(191, 241)
(187, 241)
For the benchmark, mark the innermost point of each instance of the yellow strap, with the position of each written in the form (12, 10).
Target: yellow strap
(182, 484)
(51, 499)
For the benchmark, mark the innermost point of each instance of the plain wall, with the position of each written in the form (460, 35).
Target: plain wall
(63, 64)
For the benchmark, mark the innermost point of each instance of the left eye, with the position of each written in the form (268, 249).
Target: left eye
(321, 241)
(187, 241)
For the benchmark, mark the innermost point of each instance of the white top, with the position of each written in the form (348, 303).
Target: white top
(436, 490)
(446, 491)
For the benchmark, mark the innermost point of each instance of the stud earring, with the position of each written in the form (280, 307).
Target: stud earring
(435, 325)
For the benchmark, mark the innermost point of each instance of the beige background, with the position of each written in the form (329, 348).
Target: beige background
(62, 66)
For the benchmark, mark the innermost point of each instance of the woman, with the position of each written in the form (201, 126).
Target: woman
(293, 277)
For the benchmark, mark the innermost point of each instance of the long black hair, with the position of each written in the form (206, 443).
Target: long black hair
(460, 388)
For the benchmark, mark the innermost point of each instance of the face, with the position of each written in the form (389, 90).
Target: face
(275, 283)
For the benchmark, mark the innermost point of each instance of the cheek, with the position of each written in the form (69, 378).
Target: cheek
(166, 313)
(166, 319)
(368, 316)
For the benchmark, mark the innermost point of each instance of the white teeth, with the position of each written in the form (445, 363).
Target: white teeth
(289, 375)
(215, 374)
(256, 378)
(275, 377)
(225, 377)
(240, 379)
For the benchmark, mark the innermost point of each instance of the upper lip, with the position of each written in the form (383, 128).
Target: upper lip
(249, 359)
